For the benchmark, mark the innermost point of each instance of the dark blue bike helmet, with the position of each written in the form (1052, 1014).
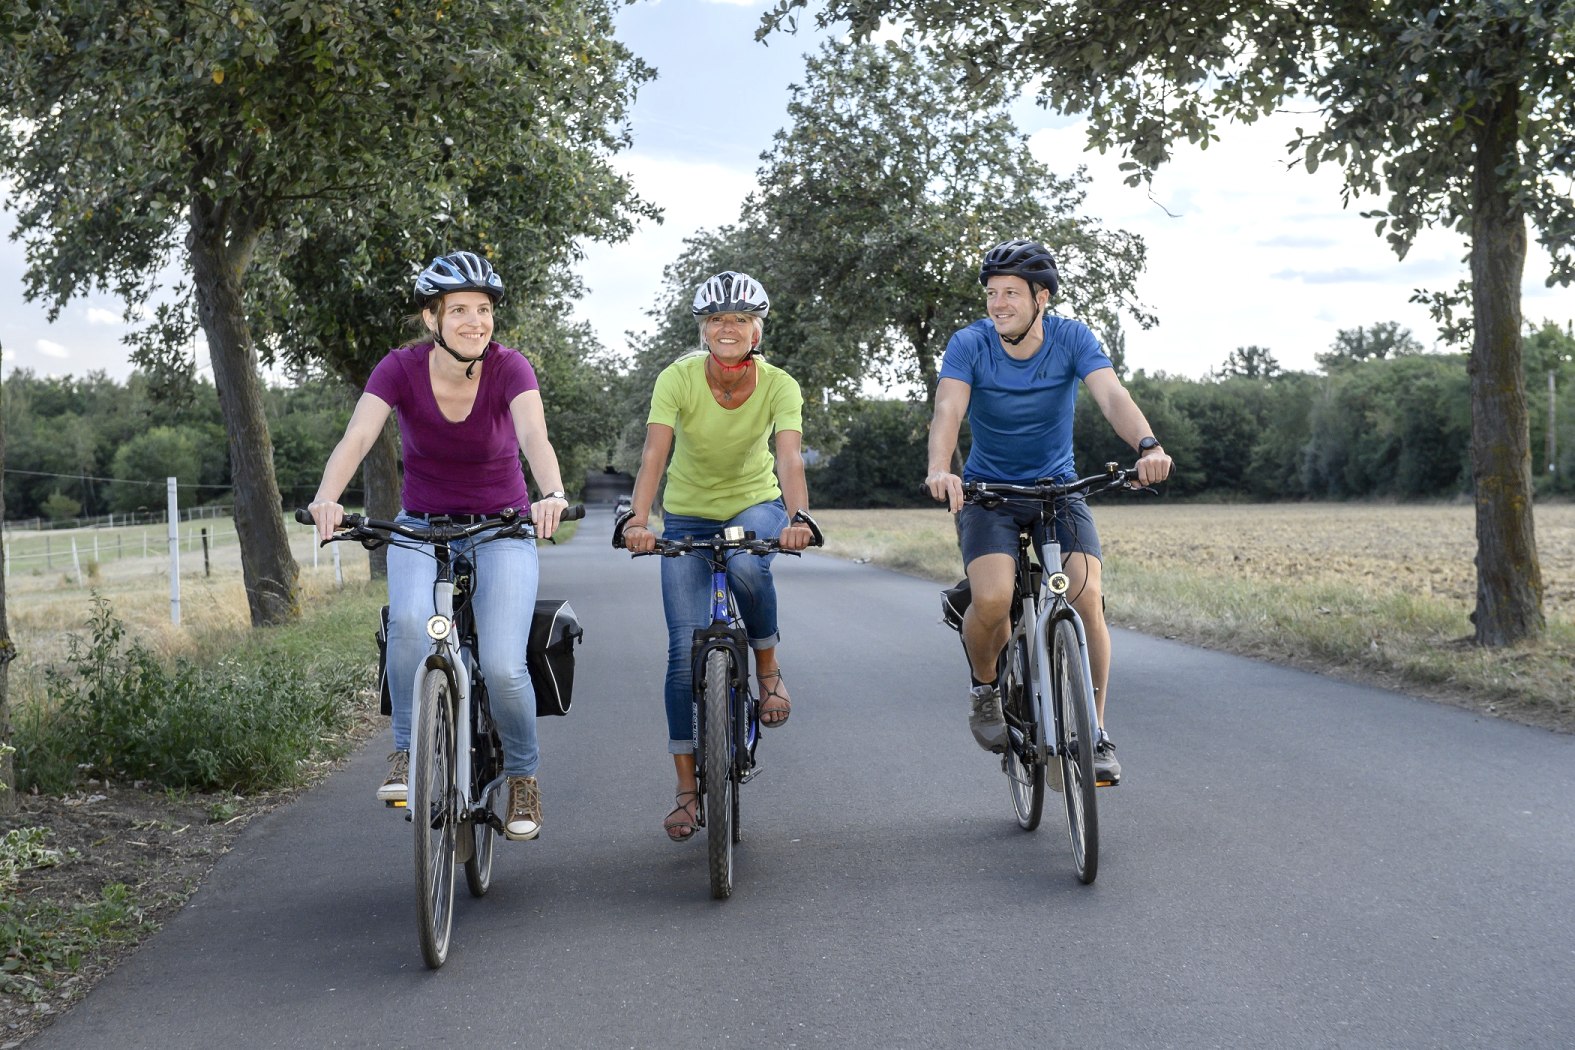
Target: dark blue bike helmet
(1026, 259)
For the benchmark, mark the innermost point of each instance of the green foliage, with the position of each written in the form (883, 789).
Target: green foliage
(44, 943)
(1354, 345)
(60, 507)
(881, 461)
(117, 711)
(163, 452)
(1250, 362)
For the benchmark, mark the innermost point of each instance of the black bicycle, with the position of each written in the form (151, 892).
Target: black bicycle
(452, 787)
(726, 715)
(1046, 688)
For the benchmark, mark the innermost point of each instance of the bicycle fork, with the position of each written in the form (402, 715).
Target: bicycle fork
(448, 657)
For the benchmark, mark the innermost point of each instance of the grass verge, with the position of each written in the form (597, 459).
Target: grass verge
(1303, 591)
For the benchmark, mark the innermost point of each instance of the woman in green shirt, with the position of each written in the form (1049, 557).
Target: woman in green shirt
(716, 411)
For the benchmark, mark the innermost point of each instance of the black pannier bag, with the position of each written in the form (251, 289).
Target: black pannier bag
(554, 630)
(954, 602)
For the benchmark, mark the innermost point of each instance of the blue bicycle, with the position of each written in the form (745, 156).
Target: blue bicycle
(726, 714)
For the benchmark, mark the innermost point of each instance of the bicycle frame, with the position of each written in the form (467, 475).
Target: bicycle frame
(1040, 613)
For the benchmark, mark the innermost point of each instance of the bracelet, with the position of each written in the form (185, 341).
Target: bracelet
(636, 525)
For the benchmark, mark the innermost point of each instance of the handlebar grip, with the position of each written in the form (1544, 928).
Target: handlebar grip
(816, 539)
(304, 516)
(573, 513)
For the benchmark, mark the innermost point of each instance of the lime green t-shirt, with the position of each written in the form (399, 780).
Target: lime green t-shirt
(721, 457)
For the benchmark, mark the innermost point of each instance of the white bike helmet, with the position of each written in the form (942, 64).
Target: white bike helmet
(458, 272)
(731, 292)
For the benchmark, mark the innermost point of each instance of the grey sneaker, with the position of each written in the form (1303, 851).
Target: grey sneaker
(524, 819)
(985, 718)
(1106, 769)
(395, 785)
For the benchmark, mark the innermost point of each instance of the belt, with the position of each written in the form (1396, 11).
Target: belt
(457, 519)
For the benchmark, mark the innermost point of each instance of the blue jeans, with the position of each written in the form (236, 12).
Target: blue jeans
(686, 602)
(503, 599)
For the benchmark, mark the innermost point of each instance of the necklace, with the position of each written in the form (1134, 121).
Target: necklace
(727, 391)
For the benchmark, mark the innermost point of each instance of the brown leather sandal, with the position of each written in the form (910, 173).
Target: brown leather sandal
(775, 707)
(680, 823)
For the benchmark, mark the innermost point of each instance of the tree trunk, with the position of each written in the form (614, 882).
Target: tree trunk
(380, 480)
(1509, 577)
(7, 653)
(218, 259)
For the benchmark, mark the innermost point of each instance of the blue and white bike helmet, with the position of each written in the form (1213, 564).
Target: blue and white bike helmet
(731, 292)
(458, 272)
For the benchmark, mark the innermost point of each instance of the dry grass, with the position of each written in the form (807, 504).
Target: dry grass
(1381, 593)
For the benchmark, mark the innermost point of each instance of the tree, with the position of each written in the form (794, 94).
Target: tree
(1463, 113)
(141, 134)
(7, 654)
(1250, 362)
(1354, 345)
(879, 198)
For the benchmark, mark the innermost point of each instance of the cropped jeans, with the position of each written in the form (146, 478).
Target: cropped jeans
(503, 600)
(686, 602)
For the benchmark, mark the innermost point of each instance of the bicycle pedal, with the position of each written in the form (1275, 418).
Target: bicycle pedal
(1108, 783)
(749, 774)
(394, 804)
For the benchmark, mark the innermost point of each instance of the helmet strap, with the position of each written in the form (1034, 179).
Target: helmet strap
(1014, 342)
(472, 362)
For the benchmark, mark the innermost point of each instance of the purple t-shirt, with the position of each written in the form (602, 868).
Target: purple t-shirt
(470, 467)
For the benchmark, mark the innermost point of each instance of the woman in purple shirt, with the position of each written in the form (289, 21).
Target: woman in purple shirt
(467, 408)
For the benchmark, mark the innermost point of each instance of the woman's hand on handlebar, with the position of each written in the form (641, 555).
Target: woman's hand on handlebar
(326, 516)
(795, 537)
(946, 487)
(638, 538)
(546, 513)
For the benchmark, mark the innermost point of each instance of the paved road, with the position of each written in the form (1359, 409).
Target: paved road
(1292, 862)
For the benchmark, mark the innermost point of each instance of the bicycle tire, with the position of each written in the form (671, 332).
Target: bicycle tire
(1024, 760)
(485, 764)
(432, 805)
(720, 789)
(1075, 741)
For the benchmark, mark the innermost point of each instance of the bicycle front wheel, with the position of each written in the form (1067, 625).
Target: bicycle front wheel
(718, 769)
(432, 810)
(485, 764)
(1074, 700)
(1024, 761)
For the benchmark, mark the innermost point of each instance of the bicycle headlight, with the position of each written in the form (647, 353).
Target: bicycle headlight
(1059, 582)
(438, 628)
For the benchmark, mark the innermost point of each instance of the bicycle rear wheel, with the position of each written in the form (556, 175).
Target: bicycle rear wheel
(1024, 762)
(718, 769)
(1075, 739)
(432, 810)
(485, 764)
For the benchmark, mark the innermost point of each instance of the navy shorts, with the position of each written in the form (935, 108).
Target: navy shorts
(994, 530)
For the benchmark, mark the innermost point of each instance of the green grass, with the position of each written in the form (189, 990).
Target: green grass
(1362, 629)
(41, 942)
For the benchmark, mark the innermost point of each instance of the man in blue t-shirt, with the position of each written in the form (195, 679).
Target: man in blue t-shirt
(1015, 375)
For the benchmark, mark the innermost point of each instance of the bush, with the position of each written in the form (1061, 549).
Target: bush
(117, 711)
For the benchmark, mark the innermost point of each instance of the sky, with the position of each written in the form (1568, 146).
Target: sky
(1241, 251)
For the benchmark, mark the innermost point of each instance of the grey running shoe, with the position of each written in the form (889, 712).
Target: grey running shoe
(985, 718)
(1106, 769)
(394, 785)
(524, 819)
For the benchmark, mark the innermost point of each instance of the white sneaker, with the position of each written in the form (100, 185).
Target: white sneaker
(395, 786)
(524, 819)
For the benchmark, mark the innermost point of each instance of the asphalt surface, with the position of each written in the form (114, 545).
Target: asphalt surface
(1291, 862)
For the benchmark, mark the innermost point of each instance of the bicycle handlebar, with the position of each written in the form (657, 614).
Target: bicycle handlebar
(673, 548)
(439, 530)
(989, 493)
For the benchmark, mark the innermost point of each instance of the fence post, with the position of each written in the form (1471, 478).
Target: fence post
(174, 520)
(207, 570)
(76, 562)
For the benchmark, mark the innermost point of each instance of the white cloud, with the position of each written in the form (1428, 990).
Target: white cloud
(52, 349)
(99, 315)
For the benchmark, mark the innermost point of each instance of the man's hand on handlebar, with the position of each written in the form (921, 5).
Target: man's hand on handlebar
(946, 487)
(1152, 468)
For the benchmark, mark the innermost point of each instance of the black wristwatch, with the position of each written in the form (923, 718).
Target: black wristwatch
(1150, 442)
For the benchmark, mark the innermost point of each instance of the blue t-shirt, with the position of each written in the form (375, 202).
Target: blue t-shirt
(1021, 411)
